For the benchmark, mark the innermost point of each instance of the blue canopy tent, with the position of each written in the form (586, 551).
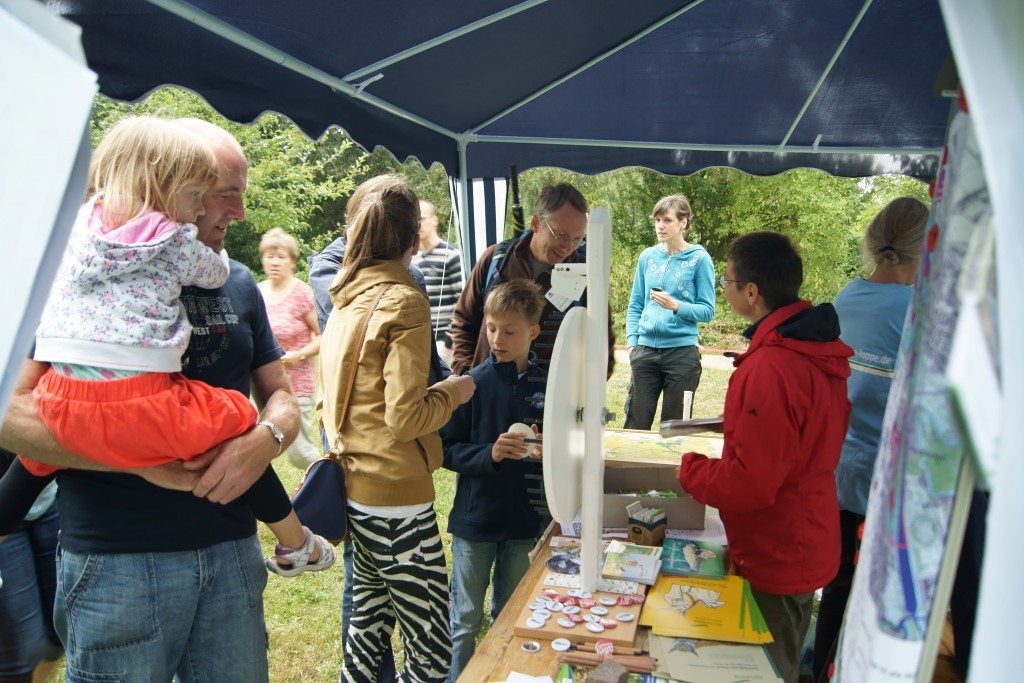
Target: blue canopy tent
(672, 85)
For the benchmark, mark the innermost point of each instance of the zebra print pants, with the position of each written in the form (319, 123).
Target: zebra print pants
(399, 576)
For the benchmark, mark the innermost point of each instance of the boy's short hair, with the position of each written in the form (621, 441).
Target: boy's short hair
(520, 296)
(771, 261)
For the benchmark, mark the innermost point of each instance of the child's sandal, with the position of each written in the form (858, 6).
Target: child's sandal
(294, 561)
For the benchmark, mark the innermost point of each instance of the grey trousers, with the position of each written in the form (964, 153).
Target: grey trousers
(660, 371)
(788, 618)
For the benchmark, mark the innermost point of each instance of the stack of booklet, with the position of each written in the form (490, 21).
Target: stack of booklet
(698, 607)
(631, 562)
(641, 513)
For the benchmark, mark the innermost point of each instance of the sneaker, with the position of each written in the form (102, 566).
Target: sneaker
(293, 561)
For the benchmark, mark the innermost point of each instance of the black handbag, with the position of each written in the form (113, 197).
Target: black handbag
(320, 501)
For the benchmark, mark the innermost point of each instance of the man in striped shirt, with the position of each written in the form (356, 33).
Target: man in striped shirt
(442, 268)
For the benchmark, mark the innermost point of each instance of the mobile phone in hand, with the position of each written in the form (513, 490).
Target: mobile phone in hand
(657, 289)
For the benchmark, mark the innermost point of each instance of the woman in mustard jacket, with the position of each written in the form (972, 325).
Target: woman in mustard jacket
(388, 437)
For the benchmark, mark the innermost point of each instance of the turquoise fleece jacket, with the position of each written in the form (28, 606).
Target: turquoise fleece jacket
(689, 278)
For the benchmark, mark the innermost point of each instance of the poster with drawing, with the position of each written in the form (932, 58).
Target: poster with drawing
(922, 447)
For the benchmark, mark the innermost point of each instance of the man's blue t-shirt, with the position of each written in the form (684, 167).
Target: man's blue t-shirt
(114, 513)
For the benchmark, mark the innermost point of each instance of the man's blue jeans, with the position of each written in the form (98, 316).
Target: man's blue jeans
(146, 616)
(472, 563)
(26, 599)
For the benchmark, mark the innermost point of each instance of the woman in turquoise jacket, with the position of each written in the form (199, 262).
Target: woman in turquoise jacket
(673, 290)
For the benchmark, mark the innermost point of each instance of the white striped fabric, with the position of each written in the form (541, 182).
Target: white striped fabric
(485, 224)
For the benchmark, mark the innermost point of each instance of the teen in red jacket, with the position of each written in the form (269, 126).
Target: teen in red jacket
(786, 414)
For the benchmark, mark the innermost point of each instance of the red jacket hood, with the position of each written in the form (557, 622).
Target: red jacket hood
(812, 331)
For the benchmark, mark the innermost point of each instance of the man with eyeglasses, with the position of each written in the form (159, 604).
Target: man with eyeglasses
(557, 231)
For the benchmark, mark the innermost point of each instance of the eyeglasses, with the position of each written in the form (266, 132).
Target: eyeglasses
(563, 238)
(722, 281)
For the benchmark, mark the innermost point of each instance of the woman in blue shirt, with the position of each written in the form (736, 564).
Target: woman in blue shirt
(673, 290)
(871, 314)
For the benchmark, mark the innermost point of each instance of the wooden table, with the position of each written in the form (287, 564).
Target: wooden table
(500, 652)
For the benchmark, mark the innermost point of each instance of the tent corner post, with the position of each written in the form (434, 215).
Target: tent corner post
(464, 224)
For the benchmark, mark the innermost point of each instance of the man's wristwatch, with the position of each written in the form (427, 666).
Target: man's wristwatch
(275, 432)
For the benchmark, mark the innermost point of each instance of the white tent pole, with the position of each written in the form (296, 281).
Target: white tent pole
(464, 236)
(828, 68)
(242, 39)
(599, 58)
(641, 144)
(442, 39)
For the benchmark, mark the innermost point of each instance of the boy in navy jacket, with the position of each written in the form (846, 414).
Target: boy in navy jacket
(494, 522)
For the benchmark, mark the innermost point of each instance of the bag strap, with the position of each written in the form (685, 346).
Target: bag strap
(343, 410)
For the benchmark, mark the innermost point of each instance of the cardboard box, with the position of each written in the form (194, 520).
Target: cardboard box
(682, 513)
(644, 533)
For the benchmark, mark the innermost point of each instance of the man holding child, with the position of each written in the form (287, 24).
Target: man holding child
(160, 570)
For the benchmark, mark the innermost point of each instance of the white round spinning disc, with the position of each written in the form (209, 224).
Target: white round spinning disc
(563, 434)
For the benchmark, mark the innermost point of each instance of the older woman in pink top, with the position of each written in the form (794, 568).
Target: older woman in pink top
(293, 319)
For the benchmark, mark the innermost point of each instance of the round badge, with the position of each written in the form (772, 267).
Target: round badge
(571, 609)
(591, 618)
(560, 644)
(575, 618)
(599, 611)
(555, 606)
(531, 646)
(565, 623)
(594, 627)
(549, 593)
(538, 604)
(534, 622)
(575, 593)
(625, 616)
(542, 614)
(608, 623)
(586, 594)
(607, 602)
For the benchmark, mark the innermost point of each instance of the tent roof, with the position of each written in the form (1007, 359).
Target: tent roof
(587, 85)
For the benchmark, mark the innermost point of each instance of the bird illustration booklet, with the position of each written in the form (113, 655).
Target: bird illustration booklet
(690, 557)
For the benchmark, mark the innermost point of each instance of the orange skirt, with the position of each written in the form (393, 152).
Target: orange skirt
(138, 421)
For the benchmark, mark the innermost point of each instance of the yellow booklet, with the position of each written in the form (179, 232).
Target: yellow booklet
(698, 607)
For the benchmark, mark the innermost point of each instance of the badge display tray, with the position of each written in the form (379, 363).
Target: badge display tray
(623, 635)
